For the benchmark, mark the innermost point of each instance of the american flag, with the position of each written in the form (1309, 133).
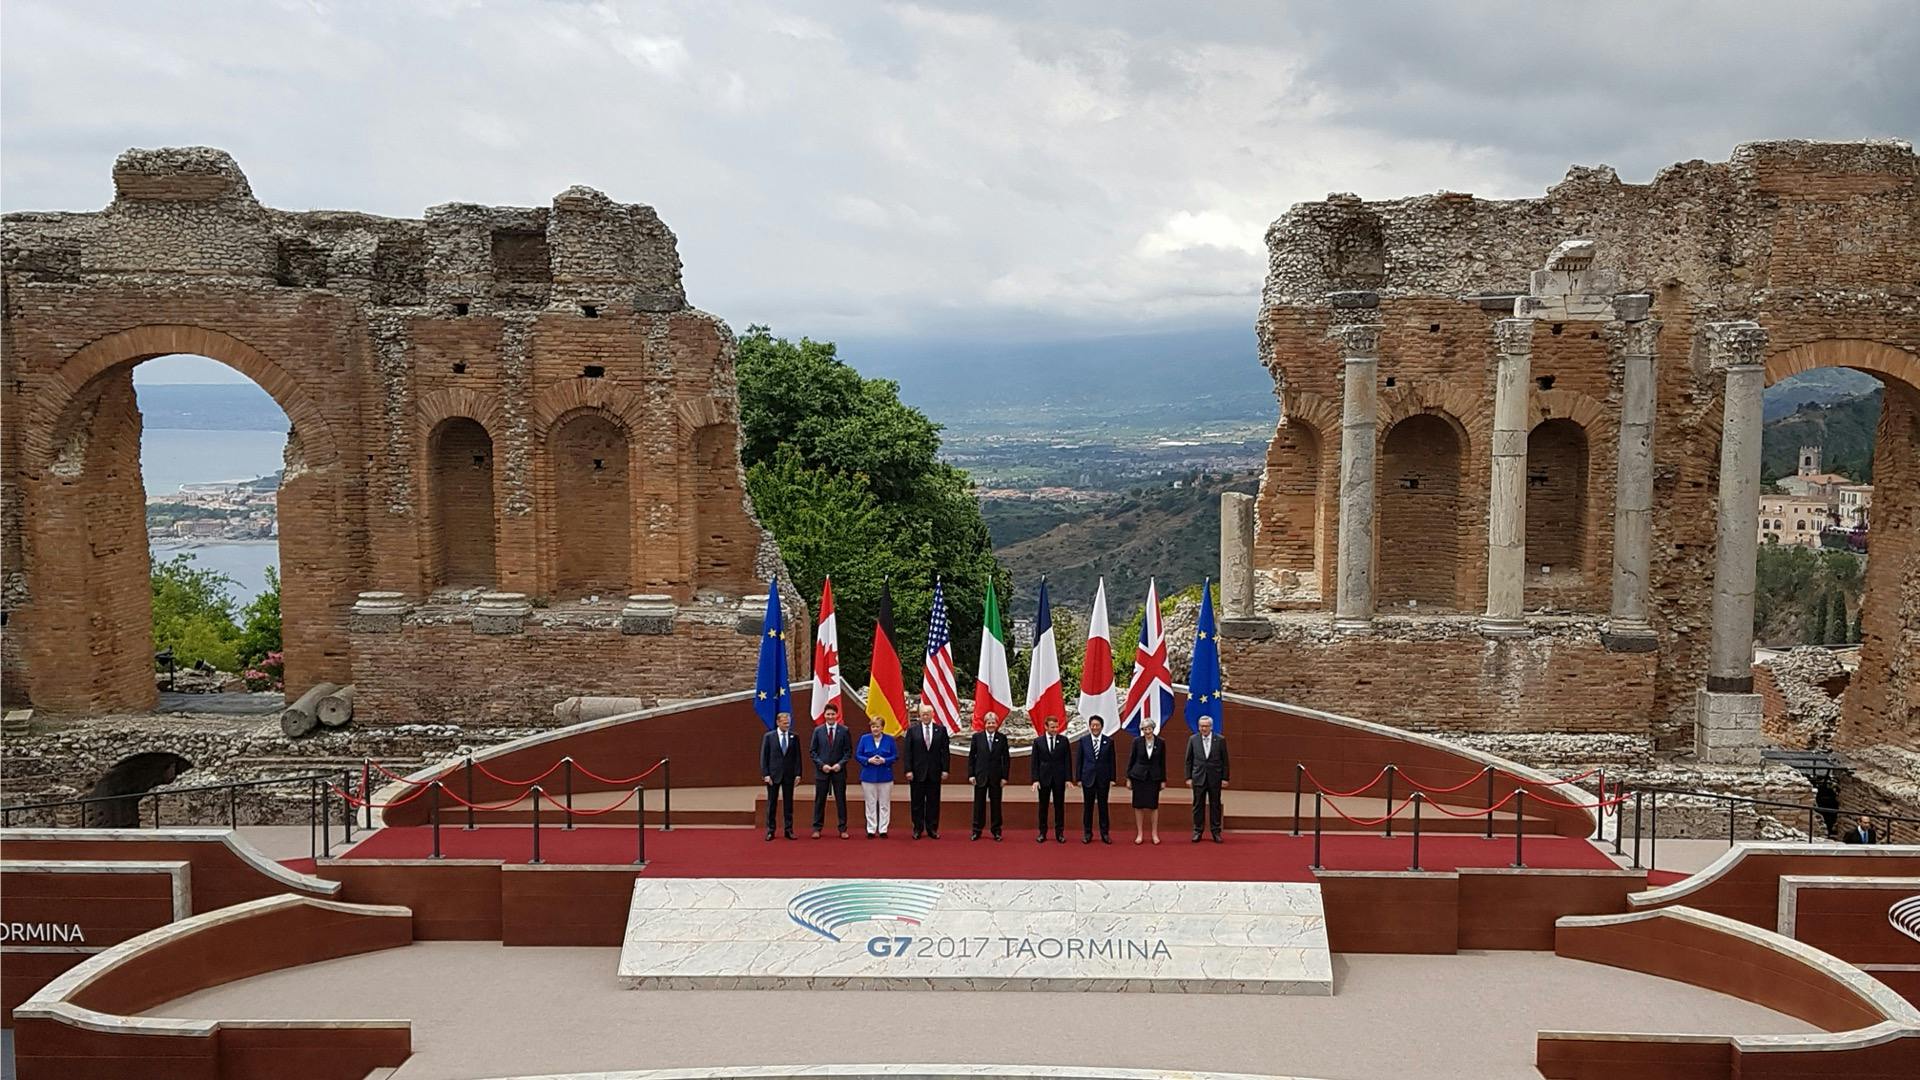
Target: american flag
(937, 686)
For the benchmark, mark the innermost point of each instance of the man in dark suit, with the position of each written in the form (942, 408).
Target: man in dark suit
(989, 760)
(1207, 772)
(927, 764)
(831, 749)
(779, 768)
(1052, 766)
(1862, 832)
(1095, 777)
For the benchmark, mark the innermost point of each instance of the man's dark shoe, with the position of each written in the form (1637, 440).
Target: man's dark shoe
(1042, 839)
(996, 838)
(1196, 838)
(975, 836)
(1087, 839)
(769, 834)
(931, 835)
(1217, 840)
(1105, 839)
(1060, 838)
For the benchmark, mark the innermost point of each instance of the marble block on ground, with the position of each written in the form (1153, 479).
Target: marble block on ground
(864, 934)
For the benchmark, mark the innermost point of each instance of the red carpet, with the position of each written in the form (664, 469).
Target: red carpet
(715, 852)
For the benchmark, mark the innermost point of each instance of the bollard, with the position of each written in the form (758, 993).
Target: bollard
(470, 798)
(1519, 827)
(326, 823)
(640, 825)
(1619, 818)
(537, 793)
(313, 820)
(666, 795)
(568, 762)
(1316, 830)
(366, 787)
(1653, 833)
(1417, 800)
(346, 807)
(1636, 829)
(1298, 769)
(433, 810)
(1600, 809)
(1489, 771)
(1389, 810)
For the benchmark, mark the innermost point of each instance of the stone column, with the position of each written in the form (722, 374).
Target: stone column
(1236, 555)
(1727, 727)
(1507, 489)
(1628, 628)
(1353, 604)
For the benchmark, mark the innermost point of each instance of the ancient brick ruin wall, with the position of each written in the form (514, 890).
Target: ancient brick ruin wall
(1820, 243)
(372, 334)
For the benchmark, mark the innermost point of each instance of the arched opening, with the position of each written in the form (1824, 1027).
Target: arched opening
(592, 508)
(1290, 541)
(461, 525)
(720, 555)
(1419, 515)
(1863, 575)
(156, 514)
(1557, 555)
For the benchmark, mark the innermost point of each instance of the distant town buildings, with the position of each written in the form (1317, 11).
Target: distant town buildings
(240, 510)
(1815, 503)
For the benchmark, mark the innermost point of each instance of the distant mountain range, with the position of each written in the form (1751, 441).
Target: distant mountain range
(1814, 387)
(1843, 429)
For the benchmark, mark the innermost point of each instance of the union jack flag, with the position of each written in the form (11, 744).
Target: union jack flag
(1150, 694)
(937, 687)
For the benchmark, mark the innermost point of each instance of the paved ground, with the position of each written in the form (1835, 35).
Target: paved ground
(483, 1010)
(1679, 856)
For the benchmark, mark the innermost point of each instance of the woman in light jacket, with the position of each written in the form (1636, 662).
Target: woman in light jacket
(876, 753)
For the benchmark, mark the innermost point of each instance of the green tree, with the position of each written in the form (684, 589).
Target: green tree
(848, 479)
(193, 614)
(260, 622)
(1859, 630)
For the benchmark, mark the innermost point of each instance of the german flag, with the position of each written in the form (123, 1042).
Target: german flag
(886, 690)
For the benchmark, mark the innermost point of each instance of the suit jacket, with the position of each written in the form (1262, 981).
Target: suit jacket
(1095, 768)
(1052, 769)
(989, 767)
(924, 761)
(775, 764)
(1207, 770)
(1142, 769)
(834, 751)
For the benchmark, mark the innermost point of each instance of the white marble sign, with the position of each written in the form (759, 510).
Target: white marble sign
(799, 933)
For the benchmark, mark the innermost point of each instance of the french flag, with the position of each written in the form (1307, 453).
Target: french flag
(1097, 697)
(1045, 702)
(1150, 694)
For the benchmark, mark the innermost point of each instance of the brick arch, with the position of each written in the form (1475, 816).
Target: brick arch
(459, 403)
(1544, 405)
(1296, 512)
(1461, 407)
(699, 413)
(1425, 535)
(563, 400)
(56, 409)
(1872, 357)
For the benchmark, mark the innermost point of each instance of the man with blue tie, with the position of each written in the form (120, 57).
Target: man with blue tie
(779, 768)
(1095, 778)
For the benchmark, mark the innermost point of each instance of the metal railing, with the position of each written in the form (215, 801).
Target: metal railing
(1646, 804)
(319, 806)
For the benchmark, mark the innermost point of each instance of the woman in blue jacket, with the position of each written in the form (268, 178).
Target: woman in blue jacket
(876, 753)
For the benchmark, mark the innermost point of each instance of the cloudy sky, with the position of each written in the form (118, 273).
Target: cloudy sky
(877, 170)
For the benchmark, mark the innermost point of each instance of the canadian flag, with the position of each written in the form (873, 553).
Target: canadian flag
(826, 656)
(1097, 697)
(1044, 700)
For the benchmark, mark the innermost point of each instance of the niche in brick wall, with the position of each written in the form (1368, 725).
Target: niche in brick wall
(460, 470)
(1556, 511)
(1419, 514)
(719, 558)
(1289, 537)
(592, 512)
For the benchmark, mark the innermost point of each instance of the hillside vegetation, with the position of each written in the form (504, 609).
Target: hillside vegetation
(1844, 430)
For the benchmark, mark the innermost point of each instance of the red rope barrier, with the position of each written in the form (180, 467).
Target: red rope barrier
(396, 776)
(624, 800)
(1369, 823)
(1345, 794)
(619, 782)
(1600, 805)
(1474, 779)
(402, 801)
(489, 774)
(516, 800)
(1481, 812)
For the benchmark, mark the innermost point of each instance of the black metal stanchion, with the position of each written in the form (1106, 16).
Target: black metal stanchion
(366, 787)
(1417, 800)
(1298, 769)
(233, 808)
(1637, 796)
(640, 825)
(1619, 816)
(666, 795)
(1730, 807)
(326, 823)
(470, 799)
(1653, 833)
(568, 762)
(1489, 771)
(1316, 830)
(1810, 825)
(537, 793)
(1600, 809)
(313, 821)
(1519, 827)
(346, 807)
(433, 811)
(156, 809)
(1389, 810)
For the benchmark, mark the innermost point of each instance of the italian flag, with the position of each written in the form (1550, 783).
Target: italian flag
(826, 656)
(1044, 699)
(992, 690)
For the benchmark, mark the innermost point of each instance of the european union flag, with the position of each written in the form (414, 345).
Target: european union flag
(1203, 682)
(771, 694)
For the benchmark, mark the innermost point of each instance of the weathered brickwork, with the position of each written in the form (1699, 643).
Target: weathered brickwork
(489, 396)
(1818, 243)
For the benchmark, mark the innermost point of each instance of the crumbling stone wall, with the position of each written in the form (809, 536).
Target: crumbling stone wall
(371, 333)
(1818, 242)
